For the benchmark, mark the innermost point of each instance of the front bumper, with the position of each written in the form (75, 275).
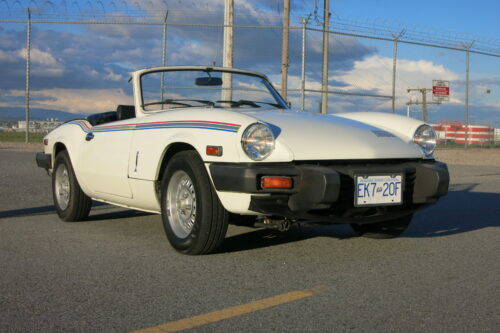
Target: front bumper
(44, 160)
(324, 190)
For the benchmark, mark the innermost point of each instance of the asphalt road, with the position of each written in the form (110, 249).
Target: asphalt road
(117, 273)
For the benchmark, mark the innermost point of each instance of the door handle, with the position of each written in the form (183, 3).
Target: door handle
(89, 136)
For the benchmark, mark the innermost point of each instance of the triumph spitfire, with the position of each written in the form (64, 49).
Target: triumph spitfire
(203, 144)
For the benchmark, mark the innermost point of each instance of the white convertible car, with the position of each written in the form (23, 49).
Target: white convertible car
(202, 144)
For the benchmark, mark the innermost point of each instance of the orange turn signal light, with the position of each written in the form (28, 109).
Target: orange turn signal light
(276, 182)
(214, 150)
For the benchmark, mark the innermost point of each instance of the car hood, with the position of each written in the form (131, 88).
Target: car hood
(318, 137)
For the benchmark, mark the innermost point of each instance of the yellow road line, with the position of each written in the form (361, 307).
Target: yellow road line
(234, 311)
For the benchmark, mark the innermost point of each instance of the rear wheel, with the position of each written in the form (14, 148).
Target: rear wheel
(195, 221)
(70, 201)
(385, 229)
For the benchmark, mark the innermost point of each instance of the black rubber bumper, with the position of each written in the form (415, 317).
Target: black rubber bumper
(326, 192)
(44, 160)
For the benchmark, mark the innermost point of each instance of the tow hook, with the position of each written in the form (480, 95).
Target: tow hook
(280, 225)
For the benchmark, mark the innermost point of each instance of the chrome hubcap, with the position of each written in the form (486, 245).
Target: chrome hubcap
(62, 187)
(181, 204)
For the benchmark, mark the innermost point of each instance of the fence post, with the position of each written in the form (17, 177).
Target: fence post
(164, 53)
(467, 49)
(28, 53)
(303, 76)
(396, 38)
(284, 49)
(326, 32)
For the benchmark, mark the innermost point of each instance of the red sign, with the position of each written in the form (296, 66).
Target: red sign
(440, 90)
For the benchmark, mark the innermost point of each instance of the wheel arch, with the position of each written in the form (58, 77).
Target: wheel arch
(56, 149)
(167, 155)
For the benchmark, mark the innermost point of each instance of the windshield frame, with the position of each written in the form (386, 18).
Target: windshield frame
(273, 92)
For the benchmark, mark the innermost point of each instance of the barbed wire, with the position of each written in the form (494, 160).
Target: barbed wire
(128, 12)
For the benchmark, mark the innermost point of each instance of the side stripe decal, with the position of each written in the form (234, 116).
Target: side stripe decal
(199, 124)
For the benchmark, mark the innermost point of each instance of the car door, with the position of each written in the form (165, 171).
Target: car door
(105, 158)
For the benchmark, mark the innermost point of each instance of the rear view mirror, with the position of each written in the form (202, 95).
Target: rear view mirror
(208, 81)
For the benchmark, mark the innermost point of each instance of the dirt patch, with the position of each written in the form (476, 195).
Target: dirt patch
(472, 156)
(21, 146)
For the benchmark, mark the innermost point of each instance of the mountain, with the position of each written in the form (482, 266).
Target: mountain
(7, 113)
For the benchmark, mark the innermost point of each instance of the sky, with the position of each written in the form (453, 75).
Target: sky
(83, 69)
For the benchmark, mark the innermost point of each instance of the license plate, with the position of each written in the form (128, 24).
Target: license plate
(378, 189)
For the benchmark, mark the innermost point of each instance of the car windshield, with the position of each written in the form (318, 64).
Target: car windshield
(170, 89)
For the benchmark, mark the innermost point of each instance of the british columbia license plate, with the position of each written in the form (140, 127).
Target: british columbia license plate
(378, 189)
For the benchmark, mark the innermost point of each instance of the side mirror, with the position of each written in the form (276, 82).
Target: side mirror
(208, 81)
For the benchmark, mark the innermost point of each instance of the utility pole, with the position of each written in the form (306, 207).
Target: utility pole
(324, 84)
(227, 61)
(424, 102)
(28, 54)
(284, 49)
(303, 76)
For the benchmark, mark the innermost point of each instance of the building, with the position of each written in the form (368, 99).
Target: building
(38, 126)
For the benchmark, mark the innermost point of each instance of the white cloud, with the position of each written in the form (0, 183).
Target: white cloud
(375, 74)
(73, 100)
(39, 56)
(194, 53)
(8, 56)
(50, 66)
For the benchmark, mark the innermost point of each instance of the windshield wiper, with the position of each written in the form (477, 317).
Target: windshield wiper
(201, 101)
(255, 104)
(179, 102)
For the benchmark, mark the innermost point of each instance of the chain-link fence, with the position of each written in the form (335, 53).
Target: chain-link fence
(78, 62)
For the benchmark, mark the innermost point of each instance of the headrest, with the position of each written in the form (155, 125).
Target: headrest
(125, 112)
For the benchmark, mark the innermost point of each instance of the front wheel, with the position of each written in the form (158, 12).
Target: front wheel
(385, 229)
(195, 221)
(70, 201)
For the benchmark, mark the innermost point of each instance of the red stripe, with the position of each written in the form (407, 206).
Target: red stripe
(174, 121)
(84, 123)
(189, 121)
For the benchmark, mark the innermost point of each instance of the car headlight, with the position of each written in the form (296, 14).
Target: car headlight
(425, 137)
(257, 141)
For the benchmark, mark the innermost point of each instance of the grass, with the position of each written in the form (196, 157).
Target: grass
(20, 137)
(452, 145)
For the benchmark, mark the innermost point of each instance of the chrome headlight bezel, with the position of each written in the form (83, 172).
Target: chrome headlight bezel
(257, 141)
(425, 137)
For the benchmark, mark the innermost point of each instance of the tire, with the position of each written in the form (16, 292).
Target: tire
(71, 203)
(194, 219)
(383, 230)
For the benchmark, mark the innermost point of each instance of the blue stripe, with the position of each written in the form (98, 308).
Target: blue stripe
(189, 124)
(223, 128)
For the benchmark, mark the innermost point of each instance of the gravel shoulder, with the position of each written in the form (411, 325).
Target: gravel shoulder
(21, 146)
(473, 156)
